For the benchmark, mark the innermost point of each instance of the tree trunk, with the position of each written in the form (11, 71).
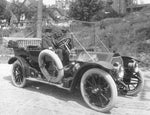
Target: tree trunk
(39, 19)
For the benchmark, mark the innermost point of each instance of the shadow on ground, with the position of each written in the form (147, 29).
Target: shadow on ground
(53, 91)
(145, 93)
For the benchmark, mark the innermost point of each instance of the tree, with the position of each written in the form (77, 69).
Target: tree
(85, 9)
(31, 12)
(3, 4)
(106, 12)
(18, 8)
(92, 10)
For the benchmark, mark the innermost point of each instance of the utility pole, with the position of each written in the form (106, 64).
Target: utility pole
(39, 19)
(124, 7)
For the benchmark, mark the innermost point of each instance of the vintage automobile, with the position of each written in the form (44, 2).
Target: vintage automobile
(100, 76)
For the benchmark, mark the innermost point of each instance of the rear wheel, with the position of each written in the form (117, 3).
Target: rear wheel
(98, 90)
(136, 84)
(18, 79)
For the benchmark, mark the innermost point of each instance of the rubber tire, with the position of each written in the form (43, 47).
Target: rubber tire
(112, 84)
(139, 87)
(58, 62)
(13, 77)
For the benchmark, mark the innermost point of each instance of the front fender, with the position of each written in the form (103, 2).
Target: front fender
(12, 60)
(127, 60)
(105, 66)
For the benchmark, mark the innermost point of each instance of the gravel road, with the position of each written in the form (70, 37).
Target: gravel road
(42, 99)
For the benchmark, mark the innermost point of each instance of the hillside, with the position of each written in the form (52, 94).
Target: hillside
(129, 35)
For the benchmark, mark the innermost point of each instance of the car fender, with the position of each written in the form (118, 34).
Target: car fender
(127, 59)
(24, 63)
(19, 58)
(105, 66)
(12, 60)
(130, 58)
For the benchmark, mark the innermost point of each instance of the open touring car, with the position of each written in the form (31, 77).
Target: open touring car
(100, 76)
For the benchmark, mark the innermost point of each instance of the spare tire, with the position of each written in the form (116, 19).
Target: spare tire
(59, 66)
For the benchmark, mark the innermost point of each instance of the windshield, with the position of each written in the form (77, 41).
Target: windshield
(87, 43)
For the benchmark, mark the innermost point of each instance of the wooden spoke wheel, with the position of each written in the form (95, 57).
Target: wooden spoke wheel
(98, 90)
(18, 79)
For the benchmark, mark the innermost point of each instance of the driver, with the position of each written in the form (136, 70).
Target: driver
(63, 45)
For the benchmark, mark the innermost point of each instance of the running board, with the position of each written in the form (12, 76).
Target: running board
(49, 83)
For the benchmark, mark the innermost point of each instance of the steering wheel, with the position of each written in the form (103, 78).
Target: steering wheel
(66, 42)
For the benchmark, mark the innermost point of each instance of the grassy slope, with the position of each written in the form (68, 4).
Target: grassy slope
(129, 36)
(126, 35)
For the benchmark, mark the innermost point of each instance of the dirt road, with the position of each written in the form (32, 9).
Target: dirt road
(42, 99)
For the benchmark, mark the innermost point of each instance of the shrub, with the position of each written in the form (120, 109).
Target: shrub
(85, 9)
(143, 48)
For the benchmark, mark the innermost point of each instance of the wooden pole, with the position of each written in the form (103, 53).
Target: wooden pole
(39, 19)
(123, 7)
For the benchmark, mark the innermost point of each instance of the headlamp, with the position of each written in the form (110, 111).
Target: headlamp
(119, 68)
(136, 69)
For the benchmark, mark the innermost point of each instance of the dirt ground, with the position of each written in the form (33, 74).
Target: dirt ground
(42, 99)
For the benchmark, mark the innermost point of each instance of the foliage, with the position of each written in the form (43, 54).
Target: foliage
(85, 9)
(31, 12)
(91, 10)
(6, 33)
(18, 8)
(143, 48)
(2, 8)
(127, 35)
(107, 12)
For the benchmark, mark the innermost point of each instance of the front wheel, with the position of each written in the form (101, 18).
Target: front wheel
(18, 78)
(98, 90)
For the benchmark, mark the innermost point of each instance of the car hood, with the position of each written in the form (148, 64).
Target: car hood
(95, 57)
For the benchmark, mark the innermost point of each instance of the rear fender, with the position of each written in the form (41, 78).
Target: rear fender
(78, 75)
(24, 63)
(12, 60)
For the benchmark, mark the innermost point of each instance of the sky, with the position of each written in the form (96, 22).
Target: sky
(50, 2)
(143, 1)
